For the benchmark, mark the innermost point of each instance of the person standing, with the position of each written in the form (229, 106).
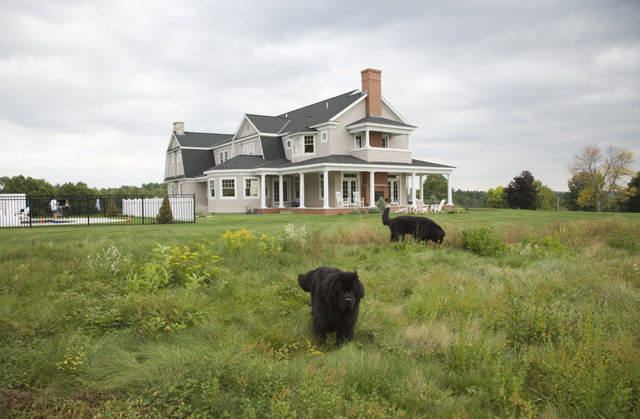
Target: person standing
(54, 207)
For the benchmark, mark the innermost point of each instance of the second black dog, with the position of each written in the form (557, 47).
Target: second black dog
(335, 301)
(421, 228)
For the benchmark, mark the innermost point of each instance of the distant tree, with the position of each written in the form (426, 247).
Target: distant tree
(521, 191)
(80, 188)
(546, 199)
(112, 210)
(496, 198)
(434, 187)
(29, 186)
(576, 184)
(604, 173)
(470, 199)
(165, 215)
(632, 203)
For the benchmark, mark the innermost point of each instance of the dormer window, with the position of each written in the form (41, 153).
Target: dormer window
(385, 141)
(309, 144)
(289, 144)
(324, 136)
(296, 146)
(359, 141)
(247, 149)
(224, 156)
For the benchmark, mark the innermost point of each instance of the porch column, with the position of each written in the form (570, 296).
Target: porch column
(325, 174)
(372, 190)
(301, 191)
(280, 193)
(449, 194)
(263, 195)
(413, 187)
(366, 144)
(422, 179)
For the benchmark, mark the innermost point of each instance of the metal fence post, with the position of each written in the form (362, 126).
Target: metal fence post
(142, 209)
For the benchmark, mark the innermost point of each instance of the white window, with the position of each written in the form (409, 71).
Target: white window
(321, 186)
(385, 141)
(251, 188)
(358, 141)
(247, 149)
(296, 146)
(224, 156)
(179, 188)
(324, 136)
(266, 189)
(289, 144)
(296, 187)
(309, 144)
(212, 188)
(228, 188)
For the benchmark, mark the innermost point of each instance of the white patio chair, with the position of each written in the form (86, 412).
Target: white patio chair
(420, 207)
(357, 201)
(340, 201)
(24, 214)
(437, 207)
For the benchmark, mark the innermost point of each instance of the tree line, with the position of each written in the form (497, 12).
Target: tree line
(601, 181)
(31, 186)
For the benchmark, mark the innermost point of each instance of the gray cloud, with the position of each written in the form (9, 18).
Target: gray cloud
(495, 87)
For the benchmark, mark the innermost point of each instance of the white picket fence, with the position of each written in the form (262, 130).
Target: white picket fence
(182, 208)
(10, 206)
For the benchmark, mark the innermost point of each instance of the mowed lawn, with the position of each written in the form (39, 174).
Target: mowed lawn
(538, 317)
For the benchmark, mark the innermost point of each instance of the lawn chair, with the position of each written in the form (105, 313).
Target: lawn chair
(420, 207)
(437, 207)
(24, 214)
(340, 201)
(357, 201)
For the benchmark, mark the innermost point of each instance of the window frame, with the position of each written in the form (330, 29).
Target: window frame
(311, 138)
(288, 144)
(356, 138)
(212, 188)
(385, 141)
(299, 147)
(324, 136)
(245, 187)
(223, 156)
(222, 188)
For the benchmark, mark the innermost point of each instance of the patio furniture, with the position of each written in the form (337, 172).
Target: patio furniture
(357, 201)
(437, 207)
(340, 201)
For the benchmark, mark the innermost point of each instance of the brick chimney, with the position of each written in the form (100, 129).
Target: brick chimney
(178, 127)
(372, 83)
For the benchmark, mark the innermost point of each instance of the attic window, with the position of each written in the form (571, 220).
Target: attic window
(309, 144)
(289, 144)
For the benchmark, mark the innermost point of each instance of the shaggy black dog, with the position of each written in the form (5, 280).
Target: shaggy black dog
(421, 228)
(335, 301)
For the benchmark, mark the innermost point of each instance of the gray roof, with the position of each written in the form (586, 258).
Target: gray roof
(268, 124)
(195, 162)
(380, 120)
(239, 163)
(201, 139)
(272, 148)
(344, 159)
(323, 111)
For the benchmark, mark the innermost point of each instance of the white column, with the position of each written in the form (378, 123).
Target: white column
(413, 187)
(280, 193)
(372, 190)
(301, 190)
(366, 144)
(449, 195)
(325, 174)
(263, 195)
(422, 179)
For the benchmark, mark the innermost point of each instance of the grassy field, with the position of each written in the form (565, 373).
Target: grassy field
(519, 314)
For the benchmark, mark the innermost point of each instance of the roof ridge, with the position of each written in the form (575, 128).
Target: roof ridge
(349, 93)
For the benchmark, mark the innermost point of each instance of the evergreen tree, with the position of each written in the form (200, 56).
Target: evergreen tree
(165, 216)
(521, 192)
(112, 210)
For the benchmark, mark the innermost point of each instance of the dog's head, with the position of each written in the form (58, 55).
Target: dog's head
(345, 290)
(437, 234)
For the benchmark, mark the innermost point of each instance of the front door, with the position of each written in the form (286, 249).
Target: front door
(394, 190)
(285, 192)
(349, 186)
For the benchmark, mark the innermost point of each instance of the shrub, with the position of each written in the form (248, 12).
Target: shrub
(381, 204)
(165, 216)
(374, 210)
(624, 240)
(112, 211)
(483, 241)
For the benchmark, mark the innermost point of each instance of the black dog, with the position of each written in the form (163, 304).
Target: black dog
(335, 301)
(421, 228)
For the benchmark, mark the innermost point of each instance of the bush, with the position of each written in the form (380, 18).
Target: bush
(381, 204)
(374, 210)
(165, 216)
(112, 211)
(623, 240)
(483, 241)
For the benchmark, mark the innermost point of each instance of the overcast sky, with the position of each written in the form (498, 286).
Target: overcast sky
(89, 90)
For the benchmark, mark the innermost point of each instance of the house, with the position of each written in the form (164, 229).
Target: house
(345, 151)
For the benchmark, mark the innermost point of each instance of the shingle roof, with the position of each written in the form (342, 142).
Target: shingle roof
(380, 120)
(323, 111)
(195, 162)
(272, 148)
(201, 139)
(268, 124)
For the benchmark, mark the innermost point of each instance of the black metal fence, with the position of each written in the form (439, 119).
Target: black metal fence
(20, 210)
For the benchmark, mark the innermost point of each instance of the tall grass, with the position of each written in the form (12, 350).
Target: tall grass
(104, 322)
